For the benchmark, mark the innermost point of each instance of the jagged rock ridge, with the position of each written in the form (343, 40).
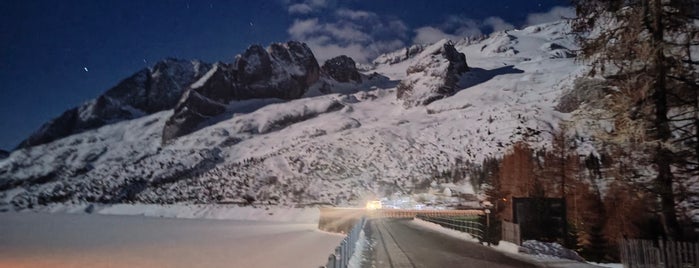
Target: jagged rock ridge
(342, 69)
(434, 77)
(283, 71)
(399, 56)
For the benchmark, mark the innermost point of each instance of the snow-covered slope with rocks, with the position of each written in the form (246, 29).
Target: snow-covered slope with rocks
(283, 71)
(356, 141)
(433, 75)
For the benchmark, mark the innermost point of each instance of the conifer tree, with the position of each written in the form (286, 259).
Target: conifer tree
(643, 49)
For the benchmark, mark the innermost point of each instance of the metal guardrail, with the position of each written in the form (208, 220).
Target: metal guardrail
(343, 253)
(472, 227)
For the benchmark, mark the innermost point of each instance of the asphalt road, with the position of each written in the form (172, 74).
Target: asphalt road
(399, 243)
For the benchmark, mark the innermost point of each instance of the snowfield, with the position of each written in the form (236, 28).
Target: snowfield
(80, 240)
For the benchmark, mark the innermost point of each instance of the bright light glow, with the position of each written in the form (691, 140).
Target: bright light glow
(373, 205)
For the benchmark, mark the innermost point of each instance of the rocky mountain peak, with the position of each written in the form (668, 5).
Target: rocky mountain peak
(254, 64)
(400, 55)
(434, 76)
(457, 60)
(342, 69)
(283, 71)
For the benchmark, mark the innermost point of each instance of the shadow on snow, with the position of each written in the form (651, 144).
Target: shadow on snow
(479, 75)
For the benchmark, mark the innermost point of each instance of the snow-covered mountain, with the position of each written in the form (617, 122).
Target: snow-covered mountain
(331, 140)
(145, 92)
(283, 71)
(433, 75)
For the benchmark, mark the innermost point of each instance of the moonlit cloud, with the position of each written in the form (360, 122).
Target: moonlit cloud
(498, 24)
(555, 14)
(363, 35)
(429, 34)
(301, 29)
(354, 14)
(306, 7)
(347, 32)
(459, 27)
(300, 9)
(360, 34)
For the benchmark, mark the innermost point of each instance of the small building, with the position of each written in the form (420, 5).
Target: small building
(540, 218)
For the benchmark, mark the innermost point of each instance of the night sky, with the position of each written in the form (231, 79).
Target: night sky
(55, 55)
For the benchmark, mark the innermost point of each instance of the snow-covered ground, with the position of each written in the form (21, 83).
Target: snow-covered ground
(32, 239)
(191, 211)
(359, 255)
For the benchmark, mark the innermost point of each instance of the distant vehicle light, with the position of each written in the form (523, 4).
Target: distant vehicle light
(373, 205)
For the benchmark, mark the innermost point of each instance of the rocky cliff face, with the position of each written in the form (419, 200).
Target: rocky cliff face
(399, 56)
(4, 154)
(147, 91)
(342, 69)
(434, 76)
(283, 71)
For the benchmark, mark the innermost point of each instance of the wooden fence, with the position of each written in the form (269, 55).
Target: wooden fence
(669, 254)
(510, 232)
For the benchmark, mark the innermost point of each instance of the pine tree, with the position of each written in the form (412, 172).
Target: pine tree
(642, 48)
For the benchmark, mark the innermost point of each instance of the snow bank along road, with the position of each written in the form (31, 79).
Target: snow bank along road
(79, 240)
(399, 243)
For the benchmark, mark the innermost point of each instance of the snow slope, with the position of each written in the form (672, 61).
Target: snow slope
(324, 149)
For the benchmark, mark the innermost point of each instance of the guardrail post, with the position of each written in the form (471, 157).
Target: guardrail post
(331, 261)
(338, 257)
(343, 253)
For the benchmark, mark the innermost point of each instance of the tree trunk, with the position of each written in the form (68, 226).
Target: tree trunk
(663, 157)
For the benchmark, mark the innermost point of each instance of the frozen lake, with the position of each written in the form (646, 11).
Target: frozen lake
(80, 240)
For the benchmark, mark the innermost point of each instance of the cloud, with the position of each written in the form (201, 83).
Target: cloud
(300, 9)
(453, 28)
(355, 14)
(498, 24)
(360, 34)
(347, 32)
(301, 29)
(555, 14)
(458, 27)
(398, 27)
(364, 35)
(306, 7)
(429, 34)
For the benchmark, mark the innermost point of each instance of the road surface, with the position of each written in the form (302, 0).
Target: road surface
(399, 243)
(79, 240)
